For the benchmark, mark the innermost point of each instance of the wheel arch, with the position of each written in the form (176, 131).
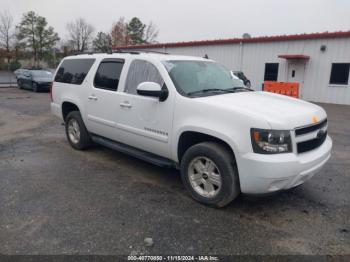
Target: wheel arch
(188, 138)
(67, 107)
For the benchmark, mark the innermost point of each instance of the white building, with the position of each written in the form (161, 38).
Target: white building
(320, 62)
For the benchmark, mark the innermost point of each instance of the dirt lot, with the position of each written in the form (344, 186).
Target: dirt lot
(56, 200)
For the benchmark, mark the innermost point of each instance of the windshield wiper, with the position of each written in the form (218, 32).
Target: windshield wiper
(240, 88)
(207, 90)
(218, 90)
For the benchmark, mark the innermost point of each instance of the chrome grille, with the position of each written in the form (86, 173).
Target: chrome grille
(310, 137)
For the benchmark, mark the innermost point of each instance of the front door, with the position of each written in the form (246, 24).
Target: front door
(296, 72)
(145, 122)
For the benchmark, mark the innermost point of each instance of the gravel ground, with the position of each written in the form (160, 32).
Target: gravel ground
(56, 200)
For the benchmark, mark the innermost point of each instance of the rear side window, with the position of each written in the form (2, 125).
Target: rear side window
(73, 71)
(108, 74)
(141, 71)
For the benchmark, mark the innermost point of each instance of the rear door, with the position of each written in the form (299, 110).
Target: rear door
(101, 103)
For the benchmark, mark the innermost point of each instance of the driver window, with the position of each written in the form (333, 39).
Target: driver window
(141, 71)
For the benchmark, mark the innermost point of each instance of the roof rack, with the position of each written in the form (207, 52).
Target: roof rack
(109, 52)
(89, 53)
(121, 51)
(138, 51)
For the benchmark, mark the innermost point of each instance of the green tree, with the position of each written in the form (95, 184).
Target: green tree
(34, 32)
(102, 42)
(136, 31)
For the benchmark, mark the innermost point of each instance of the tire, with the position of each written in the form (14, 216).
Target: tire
(74, 123)
(224, 167)
(19, 84)
(35, 87)
(248, 84)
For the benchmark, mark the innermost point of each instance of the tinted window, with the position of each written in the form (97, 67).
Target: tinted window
(41, 73)
(73, 71)
(271, 72)
(340, 73)
(108, 74)
(141, 71)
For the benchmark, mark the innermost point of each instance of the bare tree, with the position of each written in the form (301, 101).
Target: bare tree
(6, 32)
(119, 33)
(151, 33)
(80, 33)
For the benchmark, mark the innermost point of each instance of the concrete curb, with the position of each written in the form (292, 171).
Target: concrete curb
(5, 85)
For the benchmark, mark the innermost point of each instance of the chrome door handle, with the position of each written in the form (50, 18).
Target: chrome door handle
(125, 104)
(92, 98)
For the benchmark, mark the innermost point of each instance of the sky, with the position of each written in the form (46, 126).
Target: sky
(188, 20)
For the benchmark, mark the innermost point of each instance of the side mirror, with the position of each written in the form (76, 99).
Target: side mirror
(152, 89)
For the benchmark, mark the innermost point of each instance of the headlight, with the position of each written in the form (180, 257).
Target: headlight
(271, 141)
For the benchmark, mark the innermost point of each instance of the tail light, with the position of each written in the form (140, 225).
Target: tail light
(51, 86)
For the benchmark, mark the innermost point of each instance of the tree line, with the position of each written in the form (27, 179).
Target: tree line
(33, 38)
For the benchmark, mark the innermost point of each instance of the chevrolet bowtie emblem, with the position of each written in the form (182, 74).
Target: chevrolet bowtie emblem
(314, 120)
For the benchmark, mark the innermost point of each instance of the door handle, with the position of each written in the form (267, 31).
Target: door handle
(92, 98)
(125, 104)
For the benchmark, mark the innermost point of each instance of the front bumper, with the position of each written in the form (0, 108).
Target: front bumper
(261, 174)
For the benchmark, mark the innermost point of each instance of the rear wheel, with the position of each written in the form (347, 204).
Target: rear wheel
(77, 134)
(209, 172)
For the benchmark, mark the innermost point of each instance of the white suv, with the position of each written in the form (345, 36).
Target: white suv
(190, 113)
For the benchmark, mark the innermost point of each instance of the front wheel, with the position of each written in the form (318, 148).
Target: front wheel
(35, 87)
(209, 172)
(19, 84)
(77, 134)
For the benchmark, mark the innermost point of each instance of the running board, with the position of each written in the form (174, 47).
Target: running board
(132, 151)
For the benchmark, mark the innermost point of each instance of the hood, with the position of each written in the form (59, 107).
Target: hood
(281, 112)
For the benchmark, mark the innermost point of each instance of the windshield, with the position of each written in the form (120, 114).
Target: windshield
(41, 73)
(196, 77)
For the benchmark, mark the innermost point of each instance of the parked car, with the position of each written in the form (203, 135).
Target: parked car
(189, 113)
(36, 80)
(241, 76)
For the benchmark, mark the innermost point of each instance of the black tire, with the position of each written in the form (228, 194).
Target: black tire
(19, 84)
(248, 84)
(35, 87)
(84, 140)
(226, 165)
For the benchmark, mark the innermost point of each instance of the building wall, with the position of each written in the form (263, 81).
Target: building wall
(251, 58)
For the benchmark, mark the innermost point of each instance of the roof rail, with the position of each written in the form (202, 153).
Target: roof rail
(138, 51)
(90, 53)
(120, 51)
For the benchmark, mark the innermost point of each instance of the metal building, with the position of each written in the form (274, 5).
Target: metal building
(319, 62)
